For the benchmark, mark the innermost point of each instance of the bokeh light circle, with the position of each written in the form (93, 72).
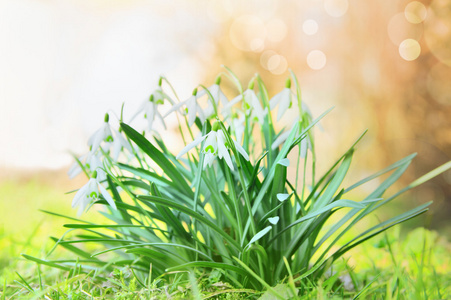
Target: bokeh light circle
(437, 28)
(310, 27)
(409, 49)
(248, 33)
(276, 30)
(336, 8)
(316, 59)
(415, 12)
(400, 29)
(273, 62)
(438, 83)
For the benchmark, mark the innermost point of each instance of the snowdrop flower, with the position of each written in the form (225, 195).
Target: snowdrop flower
(150, 109)
(238, 126)
(75, 168)
(218, 97)
(251, 105)
(192, 108)
(120, 143)
(215, 145)
(89, 193)
(304, 144)
(91, 162)
(102, 134)
(283, 99)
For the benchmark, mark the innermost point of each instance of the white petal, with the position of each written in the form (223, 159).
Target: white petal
(304, 146)
(107, 196)
(140, 110)
(161, 119)
(241, 150)
(232, 102)
(223, 152)
(79, 195)
(285, 101)
(282, 197)
(74, 170)
(280, 139)
(273, 220)
(275, 100)
(284, 162)
(174, 108)
(208, 159)
(191, 145)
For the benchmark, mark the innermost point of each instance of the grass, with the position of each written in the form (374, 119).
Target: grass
(415, 266)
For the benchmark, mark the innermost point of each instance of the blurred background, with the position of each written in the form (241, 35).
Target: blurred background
(384, 65)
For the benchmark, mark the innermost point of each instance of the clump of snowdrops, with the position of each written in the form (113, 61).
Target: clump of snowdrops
(224, 202)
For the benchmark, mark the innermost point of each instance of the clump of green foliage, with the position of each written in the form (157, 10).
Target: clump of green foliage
(226, 203)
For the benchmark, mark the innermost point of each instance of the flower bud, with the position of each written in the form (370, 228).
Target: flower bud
(218, 80)
(288, 83)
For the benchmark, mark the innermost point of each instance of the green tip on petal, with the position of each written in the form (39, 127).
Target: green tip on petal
(160, 81)
(107, 117)
(151, 98)
(288, 83)
(94, 174)
(216, 126)
(218, 80)
(251, 85)
(195, 92)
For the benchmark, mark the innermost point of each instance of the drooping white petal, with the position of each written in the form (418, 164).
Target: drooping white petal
(285, 100)
(106, 195)
(273, 220)
(227, 109)
(208, 159)
(192, 109)
(304, 146)
(241, 150)
(174, 108)
(222, 149)
(191, 145)
(150, 114)
(275, 100)
(79, 195)
(161, 119)
(280, 139)
(141, 108)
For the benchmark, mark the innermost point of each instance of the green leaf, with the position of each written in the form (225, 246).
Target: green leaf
(159, 158)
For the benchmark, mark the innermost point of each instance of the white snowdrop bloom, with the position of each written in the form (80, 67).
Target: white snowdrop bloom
(75, 168)
(215, 145)
(284, 100)
(92, 162)
(150, 110)
(192, 109)
(89, 193)
(251, 105)
(238, 126)
(304, 144)
(119, 143)
(217, 95)
(102, 134)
